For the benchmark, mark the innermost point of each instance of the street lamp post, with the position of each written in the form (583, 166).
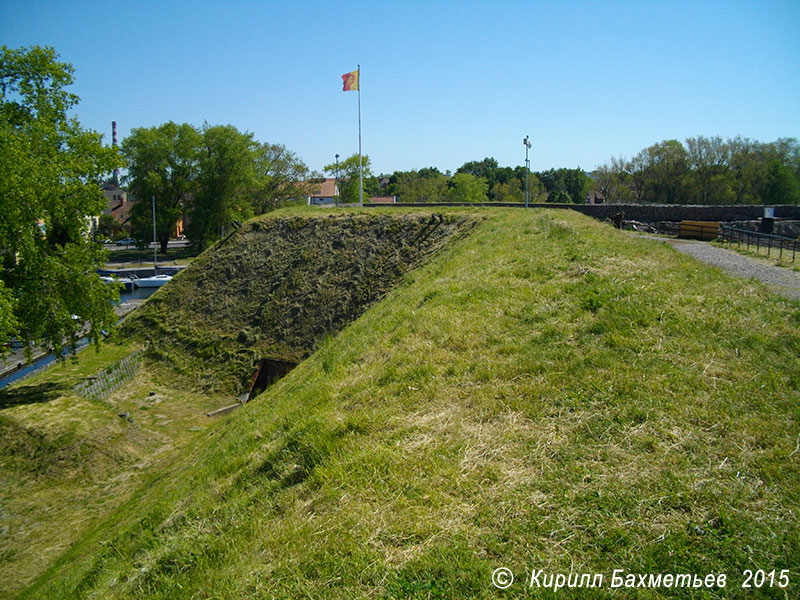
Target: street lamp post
(155, 244)
(527, 143)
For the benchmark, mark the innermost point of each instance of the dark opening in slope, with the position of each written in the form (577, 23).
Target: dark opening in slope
(268, 371)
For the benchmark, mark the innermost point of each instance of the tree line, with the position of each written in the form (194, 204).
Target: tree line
(210, 176)
(474, 181)
(705, 170)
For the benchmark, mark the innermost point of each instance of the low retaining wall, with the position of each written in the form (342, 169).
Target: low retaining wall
(647, 213)
(101, 384)
(650, 213)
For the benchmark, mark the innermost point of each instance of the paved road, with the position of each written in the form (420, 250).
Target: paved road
(782, 280)
(172, 244)
(16, 359)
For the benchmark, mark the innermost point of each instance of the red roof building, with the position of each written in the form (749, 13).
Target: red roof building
(327, 192)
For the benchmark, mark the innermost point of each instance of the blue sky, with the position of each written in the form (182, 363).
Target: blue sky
(442, 82)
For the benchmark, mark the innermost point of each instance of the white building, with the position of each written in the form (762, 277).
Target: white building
(328, 193)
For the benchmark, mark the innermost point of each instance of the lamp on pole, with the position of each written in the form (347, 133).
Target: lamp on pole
(336, 181)
(155, 243)
(527, 143)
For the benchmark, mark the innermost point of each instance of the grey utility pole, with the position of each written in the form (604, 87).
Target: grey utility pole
(527, 143)
(155, 243)
(336, 181)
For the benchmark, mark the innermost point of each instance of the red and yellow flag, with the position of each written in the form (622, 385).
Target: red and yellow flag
(350, 81)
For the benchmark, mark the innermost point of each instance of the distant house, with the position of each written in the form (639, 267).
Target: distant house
(382, 199)
(114, 194)
(120, 204)
(595, 197)
(122, 216)
(119, 207)
(324, 193)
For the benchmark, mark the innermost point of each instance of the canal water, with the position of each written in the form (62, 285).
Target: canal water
(28, 369)
(137, 294)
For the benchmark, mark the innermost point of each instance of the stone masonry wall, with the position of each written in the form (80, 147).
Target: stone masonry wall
(649, 213)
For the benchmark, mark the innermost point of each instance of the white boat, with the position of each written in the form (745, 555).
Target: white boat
(156, 280)
(120, 281)
(151, 282)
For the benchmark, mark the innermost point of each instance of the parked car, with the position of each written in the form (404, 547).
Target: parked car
(126, 242)
(108, 241)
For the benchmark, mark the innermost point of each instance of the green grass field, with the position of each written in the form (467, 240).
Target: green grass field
(543, 393)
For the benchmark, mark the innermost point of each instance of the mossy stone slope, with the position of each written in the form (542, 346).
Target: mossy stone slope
(278, 285)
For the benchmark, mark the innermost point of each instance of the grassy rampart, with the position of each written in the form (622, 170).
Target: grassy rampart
(70, 453)
(275, 288)
(546, 393)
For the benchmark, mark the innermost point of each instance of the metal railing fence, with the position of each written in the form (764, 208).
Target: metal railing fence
(758, 240)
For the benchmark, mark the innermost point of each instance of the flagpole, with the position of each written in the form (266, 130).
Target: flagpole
(360, 168)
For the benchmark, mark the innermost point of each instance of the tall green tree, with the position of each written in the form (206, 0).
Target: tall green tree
(281, 176)
(50, 171)
(505, 184)
(747, 162)
(487, 169)
(709, 180)
(565, 185)
(780, 184)
(612, 182)
(668, 168)
(465, 187)
(163, 163)
(778, 179)
(636, 169)
(347, 172)
(425, 185)
(660, 173)
(226, 181)
(512, 190)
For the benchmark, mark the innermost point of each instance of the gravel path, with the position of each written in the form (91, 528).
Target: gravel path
(782, 280)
